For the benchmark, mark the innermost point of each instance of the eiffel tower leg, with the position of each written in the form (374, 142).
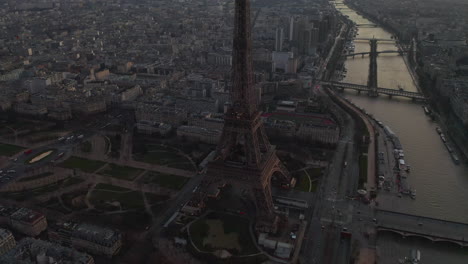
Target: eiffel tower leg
(285, 175)
(266, 220)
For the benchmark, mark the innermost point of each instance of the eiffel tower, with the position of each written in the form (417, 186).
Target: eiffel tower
(244, 157)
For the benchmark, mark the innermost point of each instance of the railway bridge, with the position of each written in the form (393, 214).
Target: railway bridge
(376, 91)
(362, 54)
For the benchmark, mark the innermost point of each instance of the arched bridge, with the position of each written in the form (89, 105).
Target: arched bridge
(376, 91)
(400, 52)
(430, 228)
(376, 39)
(366, 25)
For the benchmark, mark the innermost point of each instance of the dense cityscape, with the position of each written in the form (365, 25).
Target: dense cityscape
(233, 131)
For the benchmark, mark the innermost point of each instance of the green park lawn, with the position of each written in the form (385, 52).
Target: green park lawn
(165, 180)
(26, 195)
(121, 172)
(85, 165)
(35, 177)
(164, 156)
(9, 150)
(128, 199)
(200, 233)
(305, 184)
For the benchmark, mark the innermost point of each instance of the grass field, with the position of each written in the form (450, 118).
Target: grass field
(9, 150)
(155, 198)
(121, 172)
(35, 177)
(305, 184)
(109, 187)
(207, 232)
(127, 199)
(54, 204)
(85, 165)
(72, 181)
(165, 180)
(26, 195)
(161, 155)
(314, 172)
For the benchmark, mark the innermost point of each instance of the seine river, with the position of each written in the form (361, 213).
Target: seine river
(441, 186)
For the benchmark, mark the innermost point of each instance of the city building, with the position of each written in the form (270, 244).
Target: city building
(457, 92)
(30, 110)
(199, 134)
(34, 251)
(285, 61)
(23, 220)
(149, 128)
(280, 128)
(214, 121)
(28, 222)
(286, 106)
(279, 38)
(7, 241)
(161, 114)
(223, 58)
(323, 131)
(90, 238)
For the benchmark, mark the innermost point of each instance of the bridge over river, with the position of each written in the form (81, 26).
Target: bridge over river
(430, 228)
(376, 91)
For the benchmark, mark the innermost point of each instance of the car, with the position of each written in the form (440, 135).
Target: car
(374, 220)
(345, 229)
(295, 228)
(1, 171)
(11, 171)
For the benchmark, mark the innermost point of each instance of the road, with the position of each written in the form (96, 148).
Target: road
(334, 211)
(19, 164)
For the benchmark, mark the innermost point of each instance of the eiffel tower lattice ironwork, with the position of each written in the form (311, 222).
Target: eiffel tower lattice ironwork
(244, 158)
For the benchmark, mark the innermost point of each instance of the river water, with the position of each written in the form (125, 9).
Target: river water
(442, 186)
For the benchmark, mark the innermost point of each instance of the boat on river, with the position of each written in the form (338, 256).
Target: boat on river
(450, 150)
(427, 111)
(442, 136)
(455, 158)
